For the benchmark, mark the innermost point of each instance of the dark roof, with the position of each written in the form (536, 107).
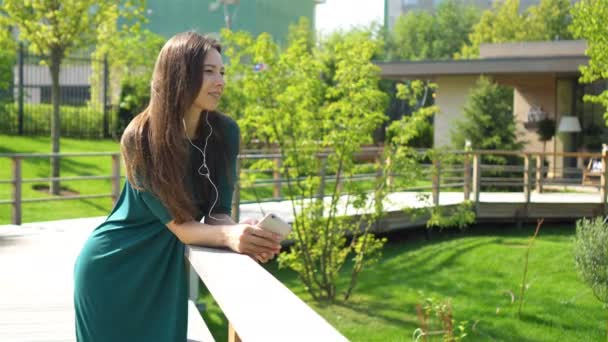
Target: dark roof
(563, 65)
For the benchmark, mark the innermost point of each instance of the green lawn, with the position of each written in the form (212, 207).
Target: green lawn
(476, 270)
(83, 166)
(40, 168)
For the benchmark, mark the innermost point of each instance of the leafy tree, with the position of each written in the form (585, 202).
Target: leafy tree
(421, 35)
(488, 119)
(7, 56)
(53, 29)
(130, 53)
(305, 100)
(545, 131)
(549, 20)
(589, 22)
(505, 23)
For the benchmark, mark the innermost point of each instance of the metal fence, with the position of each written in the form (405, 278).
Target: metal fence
(86, 111)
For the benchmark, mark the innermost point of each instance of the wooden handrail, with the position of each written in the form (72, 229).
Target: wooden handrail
(471, 175)
(257, 305)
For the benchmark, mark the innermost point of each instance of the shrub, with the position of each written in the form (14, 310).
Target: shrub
(591, 255)
(76, 121)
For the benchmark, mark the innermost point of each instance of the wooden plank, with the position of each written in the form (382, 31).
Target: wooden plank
(259, 306)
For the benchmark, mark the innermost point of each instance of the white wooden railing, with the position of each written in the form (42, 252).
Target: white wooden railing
(258, 306)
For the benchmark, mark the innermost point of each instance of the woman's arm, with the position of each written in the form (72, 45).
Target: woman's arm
(241, 238)
(221, 219)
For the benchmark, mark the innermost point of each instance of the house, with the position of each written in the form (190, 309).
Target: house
(545, 81)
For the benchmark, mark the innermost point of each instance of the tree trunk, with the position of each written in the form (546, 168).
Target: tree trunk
(54, 68)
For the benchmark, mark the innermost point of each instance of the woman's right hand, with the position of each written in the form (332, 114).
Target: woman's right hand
(252, 240)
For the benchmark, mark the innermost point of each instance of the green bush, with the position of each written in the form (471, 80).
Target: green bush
(134, 97)
(76, 121)
(591, 255)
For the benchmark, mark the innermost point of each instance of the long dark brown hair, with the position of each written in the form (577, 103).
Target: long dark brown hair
(153, 145)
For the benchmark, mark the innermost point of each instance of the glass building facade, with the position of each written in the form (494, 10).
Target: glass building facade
(168, 17)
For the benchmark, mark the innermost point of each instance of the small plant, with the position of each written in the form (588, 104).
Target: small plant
(524, 281)
(436, 319)
(591, 256)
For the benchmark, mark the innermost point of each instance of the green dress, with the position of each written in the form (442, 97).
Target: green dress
(130, 279)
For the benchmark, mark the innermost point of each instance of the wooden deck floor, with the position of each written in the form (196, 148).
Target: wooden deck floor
(37, 260)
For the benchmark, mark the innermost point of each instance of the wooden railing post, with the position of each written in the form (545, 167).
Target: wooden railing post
(115, 177)
(604, 178)
(539, 173)
(467, 176)
(236, 196)
(232, 335)
(276, 176)
(436, 180)
(17, 177)
(476, 181)
(527, 178)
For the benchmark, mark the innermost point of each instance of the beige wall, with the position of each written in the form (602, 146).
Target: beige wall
(451, 96)
(555, 97)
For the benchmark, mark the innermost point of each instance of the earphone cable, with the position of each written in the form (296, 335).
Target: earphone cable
(207, 172)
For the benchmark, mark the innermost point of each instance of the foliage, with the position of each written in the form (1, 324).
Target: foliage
(591, 255)
(503, 23)
(462, 216)
(8, 49)
(54, 29)
(545, 131)
(78, 121)
(589, 23)
(131, 52)
(307, 99)
(488, 120)
(422, 35)
(435, 318)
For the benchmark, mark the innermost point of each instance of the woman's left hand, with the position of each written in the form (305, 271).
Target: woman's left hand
(262, 257)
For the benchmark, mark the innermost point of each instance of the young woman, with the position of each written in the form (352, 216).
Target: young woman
(180, 155)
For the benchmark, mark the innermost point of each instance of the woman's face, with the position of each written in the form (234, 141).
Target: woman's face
(213, 82)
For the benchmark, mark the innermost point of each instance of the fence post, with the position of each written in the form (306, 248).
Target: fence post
(527, 178)
(115, 177)
(436, 181)
(236, 198)
(16, 191)
(539, 173)
(604, 178)
(106, 121)
(476, 181)
(276, 176)
(467, 176)
(20, 86)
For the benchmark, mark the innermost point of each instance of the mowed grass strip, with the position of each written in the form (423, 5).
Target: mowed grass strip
(72, 166)
(478, 270)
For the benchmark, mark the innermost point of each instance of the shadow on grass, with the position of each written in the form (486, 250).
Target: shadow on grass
(43, 167)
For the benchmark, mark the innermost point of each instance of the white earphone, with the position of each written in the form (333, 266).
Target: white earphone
(205, 172)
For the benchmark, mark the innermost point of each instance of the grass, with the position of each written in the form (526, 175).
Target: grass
(82, 166)
(40, 168)
(477, 270)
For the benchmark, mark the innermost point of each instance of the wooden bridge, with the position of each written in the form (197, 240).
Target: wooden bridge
(37, 258)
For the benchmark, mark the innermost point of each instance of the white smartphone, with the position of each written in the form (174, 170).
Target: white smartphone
(275, 224)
